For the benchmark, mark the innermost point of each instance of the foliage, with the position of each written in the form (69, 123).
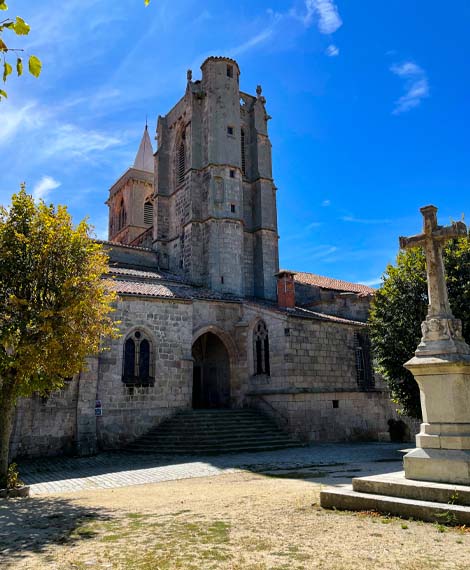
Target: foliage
(13, 477)
(400, 306)
(19, 27)
(55, 305)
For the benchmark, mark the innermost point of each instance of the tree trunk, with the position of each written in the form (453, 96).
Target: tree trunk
(7, 411)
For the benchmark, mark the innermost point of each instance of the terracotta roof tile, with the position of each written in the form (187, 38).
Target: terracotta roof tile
(330, 283)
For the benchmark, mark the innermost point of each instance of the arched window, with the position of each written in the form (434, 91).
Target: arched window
(180, 162)
(148, 213)
(122, 216)
(261, 349)
(243, 151)
(137, 366)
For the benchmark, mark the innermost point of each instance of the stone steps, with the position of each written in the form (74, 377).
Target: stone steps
(212, 432)
(393, 494)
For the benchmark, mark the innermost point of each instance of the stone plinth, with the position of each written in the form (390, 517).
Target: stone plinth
(443, 443)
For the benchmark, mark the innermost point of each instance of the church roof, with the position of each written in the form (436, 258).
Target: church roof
(144, 158)
(164, 285)
(330, 283)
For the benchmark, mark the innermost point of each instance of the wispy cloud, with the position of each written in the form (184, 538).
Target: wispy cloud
(326, 203)
(416, 86)
(325, 14)
(332, 51)
(252, 42)
(355, 220)
(71, 140)
(44, 187)
(21, 119)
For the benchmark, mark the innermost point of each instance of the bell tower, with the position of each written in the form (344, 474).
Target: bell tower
(130, 200)
(215, 199)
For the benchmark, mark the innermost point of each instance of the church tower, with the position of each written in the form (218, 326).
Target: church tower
(215, 218)
(130, 200)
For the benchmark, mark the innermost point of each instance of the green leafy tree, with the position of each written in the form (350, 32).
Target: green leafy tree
(19, 27)
(55, 305)
(400, 306)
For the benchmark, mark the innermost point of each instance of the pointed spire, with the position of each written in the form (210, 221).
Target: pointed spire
(144, 158)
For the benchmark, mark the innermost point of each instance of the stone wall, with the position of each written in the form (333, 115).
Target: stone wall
(313, 384)
(340, 303)
(46, 425)
(131, 411)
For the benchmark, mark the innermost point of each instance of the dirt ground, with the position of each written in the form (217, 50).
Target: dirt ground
(236, 521)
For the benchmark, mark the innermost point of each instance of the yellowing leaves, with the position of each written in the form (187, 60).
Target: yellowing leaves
(35, 66)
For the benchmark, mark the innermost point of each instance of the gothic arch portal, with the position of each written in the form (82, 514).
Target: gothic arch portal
(213, 358)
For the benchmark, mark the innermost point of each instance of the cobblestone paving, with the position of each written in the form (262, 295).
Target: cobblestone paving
(112, 470)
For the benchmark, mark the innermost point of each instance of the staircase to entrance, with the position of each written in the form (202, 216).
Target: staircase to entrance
(214, 431)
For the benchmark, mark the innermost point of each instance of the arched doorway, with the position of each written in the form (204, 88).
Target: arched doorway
(211, 373)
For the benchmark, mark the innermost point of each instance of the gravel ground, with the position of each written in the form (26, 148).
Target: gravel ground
(235, 521)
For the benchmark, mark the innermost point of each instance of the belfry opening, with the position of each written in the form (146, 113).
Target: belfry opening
(211, 373)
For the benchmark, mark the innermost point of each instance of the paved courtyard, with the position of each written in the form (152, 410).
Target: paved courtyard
(337, 462)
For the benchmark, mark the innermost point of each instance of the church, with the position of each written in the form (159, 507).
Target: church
(208, 319)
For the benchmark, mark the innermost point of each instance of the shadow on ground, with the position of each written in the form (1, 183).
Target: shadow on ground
(31, 525)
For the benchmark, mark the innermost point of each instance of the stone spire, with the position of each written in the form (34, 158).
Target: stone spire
(144, 158)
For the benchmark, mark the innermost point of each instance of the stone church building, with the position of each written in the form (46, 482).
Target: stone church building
(208, 319)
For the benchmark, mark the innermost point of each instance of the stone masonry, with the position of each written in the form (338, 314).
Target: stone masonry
(193, 248)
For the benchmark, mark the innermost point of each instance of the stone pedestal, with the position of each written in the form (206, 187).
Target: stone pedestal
(443, 443)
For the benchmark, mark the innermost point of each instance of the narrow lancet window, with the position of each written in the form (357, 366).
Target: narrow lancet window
(137, 369)
(261, 349)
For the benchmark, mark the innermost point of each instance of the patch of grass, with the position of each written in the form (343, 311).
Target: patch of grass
(404, 526)
(112, 537)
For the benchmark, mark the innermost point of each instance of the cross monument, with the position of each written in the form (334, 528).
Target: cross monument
(442, 333)
(441, 367)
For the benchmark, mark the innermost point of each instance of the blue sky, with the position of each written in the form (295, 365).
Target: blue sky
(369, 99)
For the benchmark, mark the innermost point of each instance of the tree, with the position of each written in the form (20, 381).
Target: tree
(400, 306)
(19, 27)
(55, 305)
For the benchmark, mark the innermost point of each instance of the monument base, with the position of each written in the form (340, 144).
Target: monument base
(438, 465)
(393, 494)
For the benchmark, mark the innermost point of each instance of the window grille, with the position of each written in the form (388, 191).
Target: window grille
(261, 349)
(243, 151)
(181, 163)
(148, 213)
(364, 370)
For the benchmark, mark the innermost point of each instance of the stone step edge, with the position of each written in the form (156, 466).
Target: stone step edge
(349, 500)
(398, 486)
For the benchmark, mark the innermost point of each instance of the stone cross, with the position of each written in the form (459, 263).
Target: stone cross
(440, 325)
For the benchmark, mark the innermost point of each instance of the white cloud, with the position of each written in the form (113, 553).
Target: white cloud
(17, 119)
(70, 140)
(252, 42)
(326, 14)
(326, 203)
(332, 50)
(416, 86)
(44, 187)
